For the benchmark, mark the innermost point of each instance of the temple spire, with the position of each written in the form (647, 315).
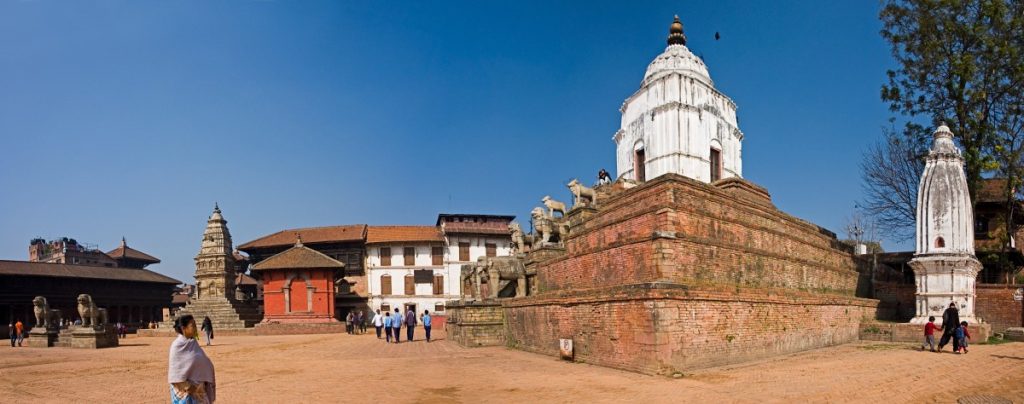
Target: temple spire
(675, 33)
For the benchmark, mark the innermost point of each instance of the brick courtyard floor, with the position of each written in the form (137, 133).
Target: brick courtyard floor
(337, 368)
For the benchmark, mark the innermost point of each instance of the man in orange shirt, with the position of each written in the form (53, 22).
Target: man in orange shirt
(20, 328)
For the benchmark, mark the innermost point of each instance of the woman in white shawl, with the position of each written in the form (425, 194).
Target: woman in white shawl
(189, 370)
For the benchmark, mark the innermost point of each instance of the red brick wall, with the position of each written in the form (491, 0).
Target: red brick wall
(995, 305)
(674, 228)
(667, 328)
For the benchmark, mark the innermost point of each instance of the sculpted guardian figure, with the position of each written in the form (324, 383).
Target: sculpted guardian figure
(553, 206)
(581, 191)
(90, 314)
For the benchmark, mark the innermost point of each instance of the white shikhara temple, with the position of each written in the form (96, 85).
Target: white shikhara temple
(677, 122)
(944, 264)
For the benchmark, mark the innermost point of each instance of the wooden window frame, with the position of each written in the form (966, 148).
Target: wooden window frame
(385, 290)
(715, 163)
(437, 256)
(464, 251)
(410, 285)
(438, 284)
(385, 256)
(409, 259)
(490, 249)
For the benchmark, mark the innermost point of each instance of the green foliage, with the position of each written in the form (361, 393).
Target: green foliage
(961, 62)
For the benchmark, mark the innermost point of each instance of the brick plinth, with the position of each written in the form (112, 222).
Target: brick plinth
(676, 274)
(660, 328)
(474, 324)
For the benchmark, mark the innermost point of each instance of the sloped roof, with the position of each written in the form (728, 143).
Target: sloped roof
(243, 279)
(296, 257)
(124, 251)
(310, 235)
(26, 268)
(391, 234)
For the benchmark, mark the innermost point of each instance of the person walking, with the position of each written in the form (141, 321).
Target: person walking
(348, 322)
(950, 322)
(208, 330)
(426, 323)
(378, 322)
(387, 326)
(410, 324)
(189, 371)
(14, 334)
(358, 325)
(362, 322)
(20, 328)
(396, 325)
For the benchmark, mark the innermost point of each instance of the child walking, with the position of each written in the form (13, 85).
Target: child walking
(964, 336)
(929, 334)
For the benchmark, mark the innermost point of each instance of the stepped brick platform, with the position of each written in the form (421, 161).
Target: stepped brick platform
(675, 274)
(261, 329)
(906, 332)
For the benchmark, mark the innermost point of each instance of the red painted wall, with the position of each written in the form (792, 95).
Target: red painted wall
(275, 308)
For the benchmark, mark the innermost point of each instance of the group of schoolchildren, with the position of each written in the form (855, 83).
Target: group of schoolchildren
(392, 324)
(952, 328)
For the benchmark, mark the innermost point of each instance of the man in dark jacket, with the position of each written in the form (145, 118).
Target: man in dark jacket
(410, 324)
(950, 322)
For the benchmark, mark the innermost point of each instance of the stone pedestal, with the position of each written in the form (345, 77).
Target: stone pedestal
(103, 336)
(42, 338)
(578, 214)
(942, 279)
(473, 324)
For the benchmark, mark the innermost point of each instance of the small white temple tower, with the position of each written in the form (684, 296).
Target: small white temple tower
(677, 122)
(944, 264)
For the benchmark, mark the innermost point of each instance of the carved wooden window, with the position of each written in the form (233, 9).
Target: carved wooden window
(410, 285)
(438, 307)
(409, 253)
(492, 249)
(385, 284)
(437, 256)
(981, 228)
(716, 165)
(385, 308)
(385, 256)
(463, 251)
(438, 284)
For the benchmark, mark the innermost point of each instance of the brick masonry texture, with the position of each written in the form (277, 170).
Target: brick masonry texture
(906, 332)
(662, 328)
(995, 305)
(476, 323)
(674, 228)
(676, 274)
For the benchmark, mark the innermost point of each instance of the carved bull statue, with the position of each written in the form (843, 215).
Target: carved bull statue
(553, 206)
(90, 314)
(582, 196)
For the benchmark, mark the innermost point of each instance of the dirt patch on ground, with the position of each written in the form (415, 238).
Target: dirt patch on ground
(318, 368)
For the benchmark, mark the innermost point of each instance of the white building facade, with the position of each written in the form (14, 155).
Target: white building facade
(420, 267)
(945, 268)
(677, 122)
(405, 268)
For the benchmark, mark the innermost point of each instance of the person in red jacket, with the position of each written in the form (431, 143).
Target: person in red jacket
(929, 334)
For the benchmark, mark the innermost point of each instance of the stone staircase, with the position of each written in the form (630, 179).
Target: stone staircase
(223, 312)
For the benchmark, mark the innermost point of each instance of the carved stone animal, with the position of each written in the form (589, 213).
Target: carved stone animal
(548, 226)
(553, 206)
(581, 191)
(519, 241)
(90, 314)
(505, 268)
(42, 311)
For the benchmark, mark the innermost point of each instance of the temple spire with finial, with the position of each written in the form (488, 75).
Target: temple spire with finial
(675, 33)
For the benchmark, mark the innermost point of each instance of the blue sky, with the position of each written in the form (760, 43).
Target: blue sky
(131, 118)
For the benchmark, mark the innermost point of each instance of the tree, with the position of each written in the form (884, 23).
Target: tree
(892, 172)
(958, 62)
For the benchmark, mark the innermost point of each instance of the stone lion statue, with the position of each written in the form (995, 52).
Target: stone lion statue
(520, 242)
(44, 316)
(90, 314)
(553, 206)
(580, 191)
(548, 226)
